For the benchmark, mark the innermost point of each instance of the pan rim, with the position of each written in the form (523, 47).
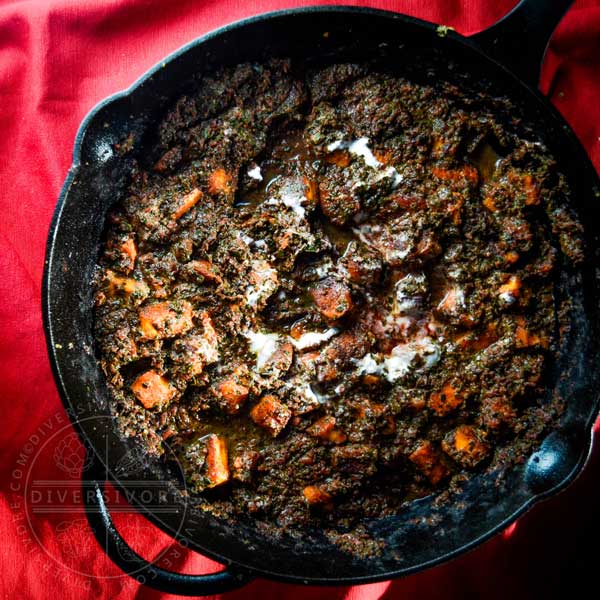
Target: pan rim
(55, 223)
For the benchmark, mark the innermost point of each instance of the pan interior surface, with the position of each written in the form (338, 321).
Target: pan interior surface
(426, 532)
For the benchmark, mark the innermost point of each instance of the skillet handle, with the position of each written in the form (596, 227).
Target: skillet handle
(133, 564)
(519, 40)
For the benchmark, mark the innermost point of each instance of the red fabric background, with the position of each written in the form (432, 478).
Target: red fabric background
(57, 59)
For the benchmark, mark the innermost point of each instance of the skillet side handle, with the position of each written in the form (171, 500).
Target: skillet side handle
(520, 39)
(133, 564)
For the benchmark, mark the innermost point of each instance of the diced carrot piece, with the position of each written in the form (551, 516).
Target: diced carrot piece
(128, 248)
(316, 495)
(322, 427)
(341, 158)
(427, 460)
(463, 444)
(383, 157)
(168, 160)
(216, 460)
(511, 257)
(271, 414)
(332, 298)
(512, 287)
(206, 269)
(187, 202)
(467, 172)
(220, 181)
(299, 328)
(163, 320)
(489, 203)
(151, 389)
(312, 191)
(445, 401)
(233, 394)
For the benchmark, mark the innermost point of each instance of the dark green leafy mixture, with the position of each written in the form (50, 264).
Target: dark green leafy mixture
(333, 292)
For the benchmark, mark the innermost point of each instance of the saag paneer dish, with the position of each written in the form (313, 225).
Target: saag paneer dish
(332, 292)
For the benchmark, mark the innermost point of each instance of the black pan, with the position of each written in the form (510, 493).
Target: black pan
(508, 55)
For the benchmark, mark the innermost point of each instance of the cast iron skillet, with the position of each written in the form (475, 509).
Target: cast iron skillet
(509, 55)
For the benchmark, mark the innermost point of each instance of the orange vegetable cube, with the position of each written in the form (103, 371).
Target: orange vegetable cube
(322, 427)
(220, 182)
(465, 446)
(271, 414)
(216, 460)
(427, 460)
(187, 202)
(332, 298)
(445, 401)
(314, 494)
(164, 319)
(233, 394)
(152, 390)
